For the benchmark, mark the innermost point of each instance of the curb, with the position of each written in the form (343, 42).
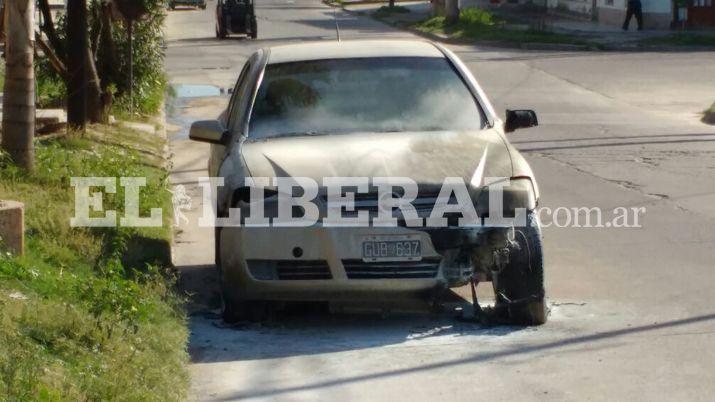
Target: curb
(490, 43)
(466, 41)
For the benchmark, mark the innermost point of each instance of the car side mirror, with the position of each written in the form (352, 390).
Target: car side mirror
(211, 131)
(516, 119)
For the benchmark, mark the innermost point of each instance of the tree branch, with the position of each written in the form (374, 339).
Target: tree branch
(56, 63)
(48, 27)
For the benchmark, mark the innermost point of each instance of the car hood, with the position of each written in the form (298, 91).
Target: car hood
(426, 157)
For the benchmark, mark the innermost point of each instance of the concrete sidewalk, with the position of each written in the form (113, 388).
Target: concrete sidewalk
(519, 19)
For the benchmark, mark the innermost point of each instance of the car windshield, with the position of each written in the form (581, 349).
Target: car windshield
(363, 95)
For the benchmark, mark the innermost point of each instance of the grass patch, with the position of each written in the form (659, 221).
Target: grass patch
(78, 319)
(481, 25)
(709, 115)
(2, 76)
(682, 39)
(386, 11)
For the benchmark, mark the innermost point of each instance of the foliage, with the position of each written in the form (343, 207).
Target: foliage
(148, 53)
(709, 115)
(75, 322)
(149, 81)
(477, 16)
(385, 11)
(477, 24)
(682, 39)
(51, 90)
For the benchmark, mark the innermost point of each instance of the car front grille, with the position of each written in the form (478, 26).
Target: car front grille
(359, 269)
(289, 270)
(303, 269)
(423, 204)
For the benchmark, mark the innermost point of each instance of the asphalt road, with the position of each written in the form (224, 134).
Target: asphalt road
(632, 311)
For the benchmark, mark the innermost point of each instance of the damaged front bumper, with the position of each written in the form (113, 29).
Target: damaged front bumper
(327, 263)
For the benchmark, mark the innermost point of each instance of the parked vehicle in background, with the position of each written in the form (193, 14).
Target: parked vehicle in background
(236, 17)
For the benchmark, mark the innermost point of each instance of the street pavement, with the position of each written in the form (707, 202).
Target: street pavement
(631, 311)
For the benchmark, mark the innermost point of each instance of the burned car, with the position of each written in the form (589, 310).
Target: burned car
(372, 109)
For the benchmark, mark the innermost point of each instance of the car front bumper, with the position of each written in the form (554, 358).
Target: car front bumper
(325, 263)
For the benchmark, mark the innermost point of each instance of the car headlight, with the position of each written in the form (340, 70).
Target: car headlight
(519, 192)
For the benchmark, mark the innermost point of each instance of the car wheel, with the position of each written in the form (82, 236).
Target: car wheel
(233, 308)
(521, 282)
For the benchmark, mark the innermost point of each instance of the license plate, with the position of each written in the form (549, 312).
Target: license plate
(391, 248)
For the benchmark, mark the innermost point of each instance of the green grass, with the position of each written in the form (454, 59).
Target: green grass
(709, 115)
(2, 76)
(386, 11)
(481, 25)
(79, 319)
(682, 39)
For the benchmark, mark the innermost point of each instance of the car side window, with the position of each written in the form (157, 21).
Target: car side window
(239, 93)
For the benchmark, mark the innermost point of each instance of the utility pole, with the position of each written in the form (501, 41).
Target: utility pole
(18, 121)
(77, 44)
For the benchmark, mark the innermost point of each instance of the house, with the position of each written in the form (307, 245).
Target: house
(700, 13)
(657, 14)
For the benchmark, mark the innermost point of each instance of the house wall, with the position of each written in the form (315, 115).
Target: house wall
(577, 7)
(657, 14)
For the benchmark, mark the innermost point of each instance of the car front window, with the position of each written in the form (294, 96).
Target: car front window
(363, 95)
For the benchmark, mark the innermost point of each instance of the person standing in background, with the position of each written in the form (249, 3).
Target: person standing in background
(634, 8)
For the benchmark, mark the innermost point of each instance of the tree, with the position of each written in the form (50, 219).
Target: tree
(107, 25)
(18, 123)
(76, 55)
(77, 45)
(451, 15)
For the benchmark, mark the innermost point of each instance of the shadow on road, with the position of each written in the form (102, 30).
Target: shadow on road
(475, 358)
(307, 328)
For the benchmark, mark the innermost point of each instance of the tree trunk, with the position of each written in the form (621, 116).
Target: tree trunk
(18, 124)
(48, 27)
(451, 11)
(97, 110)
(438, 8)
(130, 83)
(77, 52)
(107, 53)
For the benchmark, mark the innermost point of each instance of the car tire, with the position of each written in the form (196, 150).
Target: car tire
(523, 279)
(233, 308)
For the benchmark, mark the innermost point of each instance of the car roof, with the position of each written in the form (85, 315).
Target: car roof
(348, 49)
